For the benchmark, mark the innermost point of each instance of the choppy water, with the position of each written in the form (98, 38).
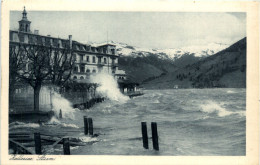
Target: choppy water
(189, 121)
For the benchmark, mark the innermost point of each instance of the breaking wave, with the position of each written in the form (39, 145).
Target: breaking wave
(54, 121)
(108, 87)
(60, 103)
(212, 107)
(69, 125)
(23, 125)
(87, 139)
(230, 91)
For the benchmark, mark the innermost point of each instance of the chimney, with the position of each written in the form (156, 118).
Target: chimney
(70, 40)
(36, 32)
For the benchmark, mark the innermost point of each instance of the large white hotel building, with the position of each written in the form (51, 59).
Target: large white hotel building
(88, 59)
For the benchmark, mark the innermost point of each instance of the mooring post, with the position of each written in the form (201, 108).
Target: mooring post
(66, 146)
(87, 105)
(51, 100)
(40, 122)
(38, 145)
(60, 115)
(155, 136)
(90, 124)
(90, 103)
(85, 125)
(144, 135)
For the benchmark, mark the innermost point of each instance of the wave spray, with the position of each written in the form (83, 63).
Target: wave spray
(108, 87)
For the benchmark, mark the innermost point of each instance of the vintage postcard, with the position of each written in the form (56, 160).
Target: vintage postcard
(111, 82)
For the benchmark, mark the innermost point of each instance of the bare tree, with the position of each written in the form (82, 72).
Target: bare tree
(44, 64)
(62, 62)
(38, 68)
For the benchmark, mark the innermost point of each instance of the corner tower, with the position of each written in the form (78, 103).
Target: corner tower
(24, 24)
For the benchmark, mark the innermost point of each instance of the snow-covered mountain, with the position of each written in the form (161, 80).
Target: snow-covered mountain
(198, 51)
(124, 49)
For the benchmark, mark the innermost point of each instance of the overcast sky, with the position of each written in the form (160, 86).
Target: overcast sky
(142, 29)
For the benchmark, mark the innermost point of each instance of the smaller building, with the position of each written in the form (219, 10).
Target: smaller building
(120, 75)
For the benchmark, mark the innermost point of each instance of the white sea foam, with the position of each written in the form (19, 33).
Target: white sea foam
(108, 87)
(60, 103)
(87, 139)
(241, 113)
(107, 111)
(212, 106)
(69, 125)
(54, 121)
(23, 125)
(74, 148)
(230, 91)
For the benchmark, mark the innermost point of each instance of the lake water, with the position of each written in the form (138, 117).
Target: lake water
(189, 122)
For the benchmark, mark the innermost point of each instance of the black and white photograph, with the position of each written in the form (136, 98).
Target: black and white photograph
(127, 83)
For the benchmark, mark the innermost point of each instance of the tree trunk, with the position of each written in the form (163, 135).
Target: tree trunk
(11, 96)
(37, 97)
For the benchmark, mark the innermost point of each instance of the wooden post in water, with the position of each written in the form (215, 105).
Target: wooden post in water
(155, 136)
(60, 115)
(144, 135)
(90, 123)
(51, 100)
(66, 146)
(85, 125)
(38, 145)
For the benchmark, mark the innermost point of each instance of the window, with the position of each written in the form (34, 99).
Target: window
(105, 60)
(82, 68)
(88, 70)
(113, 51)
(81, 57)
(26, 28)
(94, 71)
(75, 77)
(94, 60)
(75, 69)
(87, 58)
(99, 60)
(21, 37)
(81, 77)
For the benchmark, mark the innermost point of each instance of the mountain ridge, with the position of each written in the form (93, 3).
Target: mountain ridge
(226, 68)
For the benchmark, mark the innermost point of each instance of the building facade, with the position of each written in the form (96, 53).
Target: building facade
(89, 59)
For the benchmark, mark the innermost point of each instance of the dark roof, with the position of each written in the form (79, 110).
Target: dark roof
(103, 45)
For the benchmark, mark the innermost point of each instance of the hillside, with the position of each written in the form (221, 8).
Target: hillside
(145, 68)
(143, 65)
(226, 68)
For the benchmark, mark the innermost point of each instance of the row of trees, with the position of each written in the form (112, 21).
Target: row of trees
(37, 65)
